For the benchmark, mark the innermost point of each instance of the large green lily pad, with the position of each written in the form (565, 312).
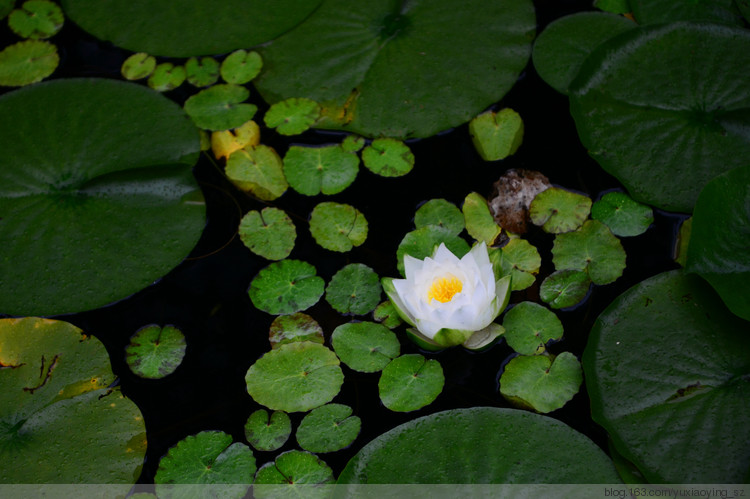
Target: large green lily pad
(183, 28)
(668, 372)
(97, 198)
(480, 445)
(666, 11)
(59, 423)
(719, 249)
(664, 108)
(401, 69)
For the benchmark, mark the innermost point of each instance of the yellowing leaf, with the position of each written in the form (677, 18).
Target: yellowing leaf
(225, 142)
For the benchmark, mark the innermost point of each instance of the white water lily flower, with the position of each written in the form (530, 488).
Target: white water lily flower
(448, 299)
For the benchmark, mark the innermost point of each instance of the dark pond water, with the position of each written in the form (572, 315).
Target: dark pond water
(206, 295)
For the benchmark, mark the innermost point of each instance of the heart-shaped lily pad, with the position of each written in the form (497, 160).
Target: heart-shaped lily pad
(354, 289)
(285, 287)
(138, 66)
(480, 224)
(441, 213)
(388, 158)
(184, 28)
(130, 213)
(56, 402)
(268, 433)
(556, 210)
(269, 233)
(295, 377)
(529, 326)
(719, 250)
(540, 383)
(338, 227)
(387, 315)
(312, 170)
(292, 116)
(155, 351)
(365, 346)
(353, 143)
(421, 243)
(565, 288)
(592, 248)
(480, 445)
(328, 428)
(497, 135)
(622, 215)
(257, 170)
(662, 123)
(220, 107)
(28, 62)
(202, 72)
(291, 469)
(166, 77)
(36, 19)
(226, 142)
(241, 66)
(520, 260)
(668, 372)
(410, 382)
(387, 69)
(294, 327)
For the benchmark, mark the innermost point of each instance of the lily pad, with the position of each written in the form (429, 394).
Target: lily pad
(484, 338)
(338, 227)
(387, 69)
(421, 243)
(188, 27)
(556, 210)
(352, 143)
(328, 429)
(497, 135)
(295, 377)
(388, 158)
(518, 259)
(269, 233)
(561, 48)
(6, 6)
(719, 250)
(646, 113)
(667, 369)
(613, 6)
(327, 169)
(138, 66)
(56, 402)
(257, 170)
(354, 289)
(481, 445)
(241, 66)
(268, 433)
(529, 327)
(541, 383)
(209, 457)
(365, 346)
(410, 382)
(622, 215)
(565, 288)
(285, 287)
(220, 107)
(294, 327)
(441, 213)
(386, 314)
(226, 142)
(166, 77)
(113, 167)
(592, 248)
(290, 469)
(667, 11)
(202, 72)
(27, 62)
(292, 116)
(480, 224)
(36, 19)
(155, 352)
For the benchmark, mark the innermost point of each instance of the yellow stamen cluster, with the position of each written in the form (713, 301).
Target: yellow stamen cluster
(444, 288)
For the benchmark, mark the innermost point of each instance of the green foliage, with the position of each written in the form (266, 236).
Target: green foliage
(294, 327)
(410, 382)
(541, 383)
(480, 224)
(36, 19)
(484, 338)
(354, 289)
(421, 243)
(669, 11)
(241, 66)
(202, 72)
(388, 158)
(285, 287)
(220, 107)
(497, 135)
(386, 314)
(268, 433)
(564, 288)
(352, 143)
(441, 213)
(258, 171)
(592, 248)
(327, 169)
(328, 428)
(622, 215)
(155, 352)
(6, 6)
(365, 346)
(166, 77)
(613, 6)
(138, 66)
(529, 326)
(291, 469)
(292, 116)
(518, 259)
(269, 233)
(338, 227)
(27, 62)
(556, 210)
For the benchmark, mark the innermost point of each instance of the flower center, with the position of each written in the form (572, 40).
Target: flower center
(444, 288)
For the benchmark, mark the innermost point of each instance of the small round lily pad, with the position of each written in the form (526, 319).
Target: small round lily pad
(138, 66)
(258, 171)
(294, 327)
(441, 213)
(387, 315)
(208, 457)
(338, 227)
(410, 382)
(155, 352)
(202, 72)
(622, 215)
(421, 243)
(529, 326)
(328, 428)
(556, 210)
(520, 260)
(326, 169)
(27, 62)
(540, 383)
(564, 288)
(480, 224)
(354, 289)
(497, 135)
(290, 469)
(352, 143)
(241, 66)
(268, 433)
(292, 116)
(388, 158)
(36, 19)
(285, 287)
(592, 248)
(295, 377)
(269, 233)
(166, 77)
(365, 346)
(220, 107)
(226, 142)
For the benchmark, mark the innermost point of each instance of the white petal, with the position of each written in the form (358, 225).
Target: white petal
(428, 327)
(412, 266)
(479, 254)
(443, 255)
